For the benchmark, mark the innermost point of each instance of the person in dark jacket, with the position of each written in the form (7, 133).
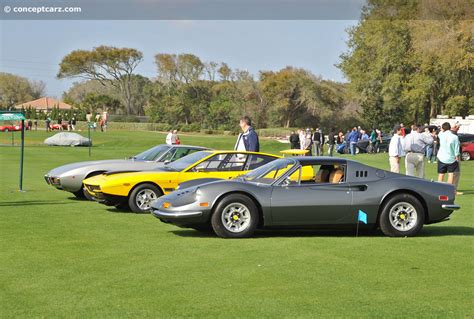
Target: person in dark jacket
(331, 141)
(248, 140)
(353, 139)
(294, 140)
(317, 142)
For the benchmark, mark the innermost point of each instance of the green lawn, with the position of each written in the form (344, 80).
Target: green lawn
(60, 257)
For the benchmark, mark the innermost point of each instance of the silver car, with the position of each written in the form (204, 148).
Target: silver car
(69, 177)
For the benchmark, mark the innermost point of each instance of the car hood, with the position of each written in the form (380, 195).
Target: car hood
(128, 177)
(101, 165)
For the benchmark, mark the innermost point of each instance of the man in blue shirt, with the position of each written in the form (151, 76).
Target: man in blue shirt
(248, 140)
(353, 139)
(448, 153)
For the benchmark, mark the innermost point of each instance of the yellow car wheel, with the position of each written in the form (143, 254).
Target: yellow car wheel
(142, 197)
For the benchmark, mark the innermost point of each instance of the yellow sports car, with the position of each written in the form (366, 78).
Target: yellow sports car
(137, 190)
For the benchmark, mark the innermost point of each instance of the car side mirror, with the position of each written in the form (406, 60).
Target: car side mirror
(167, 162)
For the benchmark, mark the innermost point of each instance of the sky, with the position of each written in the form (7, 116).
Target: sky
(33, 49)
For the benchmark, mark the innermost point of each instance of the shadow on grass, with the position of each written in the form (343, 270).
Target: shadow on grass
(269, 233)
(32, 203)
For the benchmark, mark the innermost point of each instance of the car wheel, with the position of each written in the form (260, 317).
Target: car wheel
(236, 216)
(6, 130)
(465, 156)
(402, 215)
(142, 196)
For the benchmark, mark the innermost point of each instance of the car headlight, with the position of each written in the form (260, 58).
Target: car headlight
(198, 193)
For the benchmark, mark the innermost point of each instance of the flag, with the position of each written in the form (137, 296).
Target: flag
(362, 217)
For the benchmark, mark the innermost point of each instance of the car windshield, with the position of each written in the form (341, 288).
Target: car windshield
(187, 161)
(269, 173)
(152, 154)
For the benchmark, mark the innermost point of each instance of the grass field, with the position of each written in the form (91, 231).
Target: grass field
(60, 257)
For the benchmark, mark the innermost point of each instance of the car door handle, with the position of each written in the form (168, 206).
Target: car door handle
(360, 188)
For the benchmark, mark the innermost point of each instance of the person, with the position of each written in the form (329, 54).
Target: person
(175, 138)
(331, 141)
(168, 137)
(89, 116)
(457, 175)
(404, 132)
(353, 138)
(373, 140)
(97, 117)
(317, 141)
(364, 136)
(414, 146)
(429, 148)
(73, 123)
(302, 137)
(69, 125)
(248, 139)
(30, 125)
(48, 124)
(294, 140)
(395, 149)
(308, 141)
(448, 153)
(35, 123)
(60, 121)
(102, 124)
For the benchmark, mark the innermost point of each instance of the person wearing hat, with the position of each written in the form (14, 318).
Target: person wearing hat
(395, 149)
(414, 146)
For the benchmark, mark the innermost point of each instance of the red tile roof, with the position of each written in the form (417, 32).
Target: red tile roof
(44, 103)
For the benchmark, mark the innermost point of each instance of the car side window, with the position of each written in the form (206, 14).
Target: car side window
(234, 162)
(314, 174)
(256, 161)
(182, 152)
(169, 156)
(210, 165)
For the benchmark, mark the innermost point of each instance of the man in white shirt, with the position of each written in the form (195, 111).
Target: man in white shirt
(169, 137)
(415, 147)
(395, 149)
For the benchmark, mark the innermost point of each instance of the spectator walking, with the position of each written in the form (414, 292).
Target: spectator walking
(48, 124)
(294, 140)
(317, 142)
(395, 149)
(73, 123)
(457, 175)
(248, 139)
(448, 153)
(414, 146)
(331, 141)
(168, 138)
(302, 137)
(30, 125)
(175, 138)
(35, 123)
(353, 138)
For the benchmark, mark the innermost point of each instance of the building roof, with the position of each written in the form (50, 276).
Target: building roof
(44, 103)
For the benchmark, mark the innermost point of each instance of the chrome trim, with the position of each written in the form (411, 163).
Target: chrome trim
(159, 213)
(450, 207)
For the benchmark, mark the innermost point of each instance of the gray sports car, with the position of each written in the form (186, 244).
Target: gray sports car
(309, 192)
(69, 177)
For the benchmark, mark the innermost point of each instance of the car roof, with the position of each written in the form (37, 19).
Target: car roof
(189, 146)
(244, 152)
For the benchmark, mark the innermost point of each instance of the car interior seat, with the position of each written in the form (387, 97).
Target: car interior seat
(322, 176)
(336, 176)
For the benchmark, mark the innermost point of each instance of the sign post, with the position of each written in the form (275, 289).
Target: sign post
(17, 116)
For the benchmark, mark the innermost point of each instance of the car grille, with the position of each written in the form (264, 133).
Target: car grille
(93, 188)
(52, 180)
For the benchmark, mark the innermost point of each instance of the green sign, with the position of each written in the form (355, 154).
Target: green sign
(12, 117)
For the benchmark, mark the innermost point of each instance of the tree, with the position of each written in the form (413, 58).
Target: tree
(108, 65)
(225, 72)
(15, 89)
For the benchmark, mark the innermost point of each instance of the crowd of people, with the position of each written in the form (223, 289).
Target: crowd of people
(438, 144)
(313, 140)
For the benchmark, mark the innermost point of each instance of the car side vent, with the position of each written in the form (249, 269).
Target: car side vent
(362, 173)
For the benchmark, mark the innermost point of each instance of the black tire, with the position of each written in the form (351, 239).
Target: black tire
(396, 215)
(465, 156)
(79, 194)
(137, 191)
(224, 206)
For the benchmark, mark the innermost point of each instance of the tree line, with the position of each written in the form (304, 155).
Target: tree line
(406, 62)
